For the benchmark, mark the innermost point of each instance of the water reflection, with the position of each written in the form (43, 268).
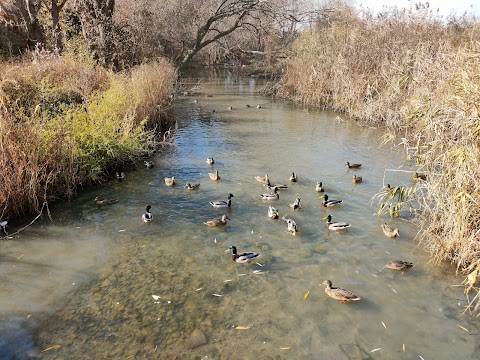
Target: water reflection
(118, 262)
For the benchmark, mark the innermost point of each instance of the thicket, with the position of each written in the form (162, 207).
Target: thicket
(65, 122)
(420, 76)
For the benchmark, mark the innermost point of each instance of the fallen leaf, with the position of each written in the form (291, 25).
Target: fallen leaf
(242, 327)
(461, 327)
(54, 347)
(403, 347)
(156, 297)
(286, 348)
(375, 350)
(306, 294)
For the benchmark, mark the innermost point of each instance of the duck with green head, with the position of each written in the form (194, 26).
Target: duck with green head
(242, 258)
(335, 226)
(270, 197)
(272, 212)
(147, 216)
(223, 204)
(329, 203)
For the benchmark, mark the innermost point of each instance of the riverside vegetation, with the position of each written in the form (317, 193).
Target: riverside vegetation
(418, 75)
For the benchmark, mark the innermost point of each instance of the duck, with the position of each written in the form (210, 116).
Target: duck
(296, 204)
(247, 106)
(291, 225)
(339, 294)
(329, 203)
(270, 197)
(170, 181)
(399, 265)
(120, 175)
(217, 221)
(319, 187)
(357, 179)
(230, 108)
(214, 176)
(147, 216)
(149, 164)
(278, 186)
(272, 212)
(259, 106)
(293, 178)
(262, 179)
(335, 226)
(222, 204)
(416, 177)
(242, 258)
(101, 201)
(210, 161)
(389, 231)
(390, 190)
(189, 186)
(352, 166)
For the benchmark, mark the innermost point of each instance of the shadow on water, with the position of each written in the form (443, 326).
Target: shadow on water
(100, 283)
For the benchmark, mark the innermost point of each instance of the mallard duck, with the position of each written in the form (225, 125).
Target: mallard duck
(222, 204)
(329, 203)
(214, 176)
(357, 179)
(352, 166)
(272, 212)
(101, 201)
(291, 225)
(120, 175)
(399, 265)
(416, 177)
(247, 106)
(262, 179)
(189, 186)
(389, 231)
(217, 221)
(319, 187)
(339, 294)
(244, 257)
(230, 108)
(170, 181)
(270, 197)
(335, 226)
(278, 186)
(259, 106)
(296, 204)
(147, 216)
(210, 161)
(390, 189)
(293, 177)
(149, 164)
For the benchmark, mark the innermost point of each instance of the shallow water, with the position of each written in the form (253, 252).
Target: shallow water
(86, 282)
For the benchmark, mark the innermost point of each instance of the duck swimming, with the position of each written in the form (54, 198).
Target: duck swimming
(189, 186)
(416, 177)
(296, 204)
(278, 186)
(339, 294)
(170, 181)
(270, 197)
(244, 257)
(214, 176)
(319, 187)
(352, 166)
(335, 226)
(101, 201)
(272, 212)
(147, 216)
(399, 265)
(389, 231)
(293, 178)
(262, 179)
(329, 203)
(217, 221)
(222, 204)
(357, 179)
(291, 225)
(210, 161)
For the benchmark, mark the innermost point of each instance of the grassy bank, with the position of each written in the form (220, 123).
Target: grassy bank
(421, 78)
(65, 122)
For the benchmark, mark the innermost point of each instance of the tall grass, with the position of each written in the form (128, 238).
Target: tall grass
(64, 123)
(420, 77)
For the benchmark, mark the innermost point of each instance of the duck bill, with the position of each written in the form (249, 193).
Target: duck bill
(325, 218)
(227, 250)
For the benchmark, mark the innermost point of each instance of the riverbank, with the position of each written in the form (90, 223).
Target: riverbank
(66, 123)
(418, 76)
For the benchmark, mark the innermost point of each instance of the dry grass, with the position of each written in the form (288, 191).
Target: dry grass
(63, 123)
(421, 78)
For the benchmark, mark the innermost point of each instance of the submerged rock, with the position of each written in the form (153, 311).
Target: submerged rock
(197, 338)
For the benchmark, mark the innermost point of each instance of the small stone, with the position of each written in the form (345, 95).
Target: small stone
(197, 338)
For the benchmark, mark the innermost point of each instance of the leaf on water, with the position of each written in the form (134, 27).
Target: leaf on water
(375, 350)
(199, 289)
(286, 348)
(228, 280)
(306, 294)
(403, 347)
(259, 264)
(384, 325)
(217, 295)
(156, 297)
(461, 327)
(242, 327)
(54, 347)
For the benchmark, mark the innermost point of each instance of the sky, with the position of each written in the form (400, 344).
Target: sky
(446, 7)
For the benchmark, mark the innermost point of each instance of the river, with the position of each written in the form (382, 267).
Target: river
(81, 286)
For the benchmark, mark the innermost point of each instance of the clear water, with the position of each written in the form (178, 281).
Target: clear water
(86, 281)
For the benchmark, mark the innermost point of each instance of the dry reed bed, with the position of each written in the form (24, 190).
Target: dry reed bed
(421, 78)
(63, 123)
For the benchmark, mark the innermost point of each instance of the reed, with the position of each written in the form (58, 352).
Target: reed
(64, 123)
(420, 77)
